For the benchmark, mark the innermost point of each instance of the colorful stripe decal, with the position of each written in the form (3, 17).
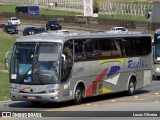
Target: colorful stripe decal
(104, 90)
(121, 60)
(113, 80)
(92, 88)
(113, 70)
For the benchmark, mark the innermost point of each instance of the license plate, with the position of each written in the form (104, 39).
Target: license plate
(31, 97)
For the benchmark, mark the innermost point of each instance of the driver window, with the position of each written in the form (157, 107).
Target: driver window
(67, 64)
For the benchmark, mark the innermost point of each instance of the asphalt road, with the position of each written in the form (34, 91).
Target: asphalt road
(146, 101)
(21, 28)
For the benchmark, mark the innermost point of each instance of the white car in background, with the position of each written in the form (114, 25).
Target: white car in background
(14, 21)
(63, 31)
(119, 29)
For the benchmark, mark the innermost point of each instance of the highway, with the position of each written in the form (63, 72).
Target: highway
(146, 99)
(21, 28)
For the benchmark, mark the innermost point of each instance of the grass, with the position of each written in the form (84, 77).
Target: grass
(7, 7)
(11, 8)
(4, 86)
(57, 12)
(6, 44)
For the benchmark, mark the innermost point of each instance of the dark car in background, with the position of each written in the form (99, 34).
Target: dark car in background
(28, 31)
(53, 25)
(2, 26)
(11, 29)
(34, 30)
(38, 30)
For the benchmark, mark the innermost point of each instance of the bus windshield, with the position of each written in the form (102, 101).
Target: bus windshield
(33, 10)
(36, 64)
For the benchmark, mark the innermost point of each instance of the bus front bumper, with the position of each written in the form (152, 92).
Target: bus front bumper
(48, 97)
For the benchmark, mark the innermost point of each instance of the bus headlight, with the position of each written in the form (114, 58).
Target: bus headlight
(51, 91)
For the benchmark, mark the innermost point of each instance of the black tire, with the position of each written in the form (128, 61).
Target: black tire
(131, 87)
(78, 96)
(36, 103)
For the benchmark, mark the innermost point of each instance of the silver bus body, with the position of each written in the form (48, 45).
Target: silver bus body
(106, 68)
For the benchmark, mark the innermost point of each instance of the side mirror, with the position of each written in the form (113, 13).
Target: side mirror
(64, 61)
(63, 57)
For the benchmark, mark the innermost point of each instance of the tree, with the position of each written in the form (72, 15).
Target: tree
(95, 6)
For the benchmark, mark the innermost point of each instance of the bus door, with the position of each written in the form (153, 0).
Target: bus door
(66, 70)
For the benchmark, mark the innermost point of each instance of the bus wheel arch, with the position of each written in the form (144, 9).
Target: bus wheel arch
(131, 87)
(79, 92)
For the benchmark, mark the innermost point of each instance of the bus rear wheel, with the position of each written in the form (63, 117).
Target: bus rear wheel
(78, 96)
(131, 87)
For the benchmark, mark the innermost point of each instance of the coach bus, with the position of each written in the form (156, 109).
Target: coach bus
(27, 9)
(57, 67)
(156, 53)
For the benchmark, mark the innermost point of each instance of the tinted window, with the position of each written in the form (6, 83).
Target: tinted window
(10, 26)
(54, 22)
(31, 28)
(14, 18)
(22, 9)
(33, 8)
(137, 46)
(122, 29)
(104, 48)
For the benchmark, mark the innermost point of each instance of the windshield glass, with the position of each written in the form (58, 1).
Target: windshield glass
(14, 18)
(122, 29)
(35, 63)
(33, 8)
(157, 46)
(54, 22)
(11, 26)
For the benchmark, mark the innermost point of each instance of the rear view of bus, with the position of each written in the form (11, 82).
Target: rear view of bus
(27, 9)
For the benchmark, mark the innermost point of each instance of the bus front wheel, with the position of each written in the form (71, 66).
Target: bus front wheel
(78, 95)
(131, 87)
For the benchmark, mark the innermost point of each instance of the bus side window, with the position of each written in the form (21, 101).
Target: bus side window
(129, 46)
(116, 50)
(105, 48)
(78, 49)
(120, 46)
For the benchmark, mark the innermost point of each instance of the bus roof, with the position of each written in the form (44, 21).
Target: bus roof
(58, 37)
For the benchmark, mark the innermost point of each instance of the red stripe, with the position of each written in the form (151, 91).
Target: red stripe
(92, 88)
